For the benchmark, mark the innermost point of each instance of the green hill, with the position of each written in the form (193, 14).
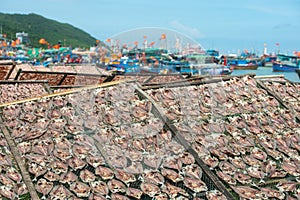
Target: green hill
(39, 27)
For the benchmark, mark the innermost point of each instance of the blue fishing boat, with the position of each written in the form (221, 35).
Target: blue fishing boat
(268, 61)
(243, 64)
(204, 64)
(124, 65)
(285, 63)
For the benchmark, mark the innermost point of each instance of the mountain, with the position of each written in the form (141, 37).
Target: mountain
(39, 27)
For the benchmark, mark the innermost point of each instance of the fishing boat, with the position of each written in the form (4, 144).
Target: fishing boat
(268, 61)
(286, 63)
(124, 65)
(203, 64)
(243, 64)
(212, 69)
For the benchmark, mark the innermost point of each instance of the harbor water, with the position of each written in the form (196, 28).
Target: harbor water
(264, 71)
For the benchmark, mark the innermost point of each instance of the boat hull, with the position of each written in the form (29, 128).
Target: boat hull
(244, 67)
(215, 71)
(205, 69)
(277, 67)
(268, 64)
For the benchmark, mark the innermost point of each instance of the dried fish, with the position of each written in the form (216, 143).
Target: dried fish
(216, 152)
(250, 160)
(96, 197)
(36, 170)
(269, 166)
(172, 163)
(81, 151)
(24, 147)
(76, 163)
(21, 189)
(278, 173)
(195, 185)
(44, 187)
(193, 171)
(51, 176)
(80, 189)
(67, 111)
(105, 172)
(87, 176)
(173, 191)
(161, 196)
(62, 153)
(116, 186)
(36, 158)
(62, 143)
(42, 123)
(57, 123)
(99, 188)
(272, 193)
(43, 147)
(186, 158)
(117, 161)
(133, 192)
(59, 192)
(7, 192)
(243, 178)
(227, 178)
(258, 154)
(215, 195)
(117, 196)
(68, 177)
(237, 162)
(150, 189)
(32, 134)
(58, 167)
(91, 123)
(5, 180)
(210, 161)
(291, 167)
(29, 106)
(172, 175)
(153, 161)
(133, 154)
(125, 177)
(287, 186)
(256, 172)
(153, 177)
(247, 192)
(227, 168)
(13, 174)
(95, 159)
(54, 113)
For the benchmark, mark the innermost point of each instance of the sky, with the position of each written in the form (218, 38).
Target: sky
(229, 26)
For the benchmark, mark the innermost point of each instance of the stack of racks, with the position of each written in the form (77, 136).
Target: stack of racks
(243, 133)
(227, 138)
(96, 143)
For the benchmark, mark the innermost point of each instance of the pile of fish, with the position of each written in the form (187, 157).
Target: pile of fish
(246, 137)
(288, 92)
(12, 185)
(102, 143)
(20, 91)
(5, 68)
